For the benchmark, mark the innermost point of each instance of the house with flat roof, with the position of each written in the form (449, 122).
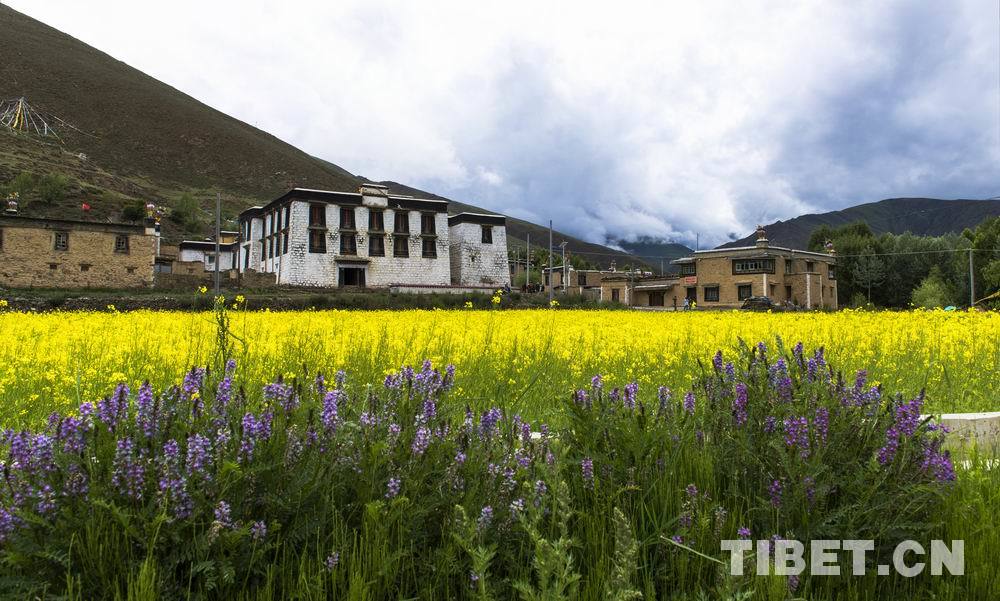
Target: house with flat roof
(371, 238)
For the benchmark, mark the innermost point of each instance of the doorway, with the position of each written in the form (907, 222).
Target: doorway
(351, 276)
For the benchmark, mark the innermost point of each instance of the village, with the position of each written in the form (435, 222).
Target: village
(374, 240)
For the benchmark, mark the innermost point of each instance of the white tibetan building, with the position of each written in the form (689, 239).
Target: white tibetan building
(371, 238)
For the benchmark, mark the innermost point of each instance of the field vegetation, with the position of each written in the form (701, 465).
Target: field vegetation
(484, 454)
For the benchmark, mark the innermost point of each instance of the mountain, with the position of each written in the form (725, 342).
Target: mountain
(920, 216)
(655, 251)
(125, 138)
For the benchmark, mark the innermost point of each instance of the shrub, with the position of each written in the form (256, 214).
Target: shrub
(52, 187)
(311, 487)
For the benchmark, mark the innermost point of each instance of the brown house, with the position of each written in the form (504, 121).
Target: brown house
(726, 277)
(64, 253)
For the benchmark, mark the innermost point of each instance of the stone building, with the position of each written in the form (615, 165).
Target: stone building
(368, 239)
(65, 253)
(202, 252)
(726, 277)
(478, 250)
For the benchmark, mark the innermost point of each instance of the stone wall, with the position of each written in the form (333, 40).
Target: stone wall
(474, 263)
(28, 257)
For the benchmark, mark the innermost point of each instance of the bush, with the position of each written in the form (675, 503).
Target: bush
(134, 212)
(311, 487)
(933, 291)
(52, 187)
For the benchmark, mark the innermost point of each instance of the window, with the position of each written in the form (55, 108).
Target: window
(753, 266)
(317, 215)
(581, 279)
(130, 270)
(347, 218)
(376, 245)
(487, 234)
(121, 244)
(53, 266)
(401, 222)
(163, 267)
(84, 266)
(246, 257)
(61, 241)
(744, 291)
(429, 248)
(691, 294)
(830, 274)
(427, 225)
(810, 266)
(788, 266)
(788, 293)
(689, 268)
(400, 246)
(376, 221)
(317, 228)
(284, 241)
(546, 278)
(615, 295)
(211, 259)
(348, 244)
(711, 294)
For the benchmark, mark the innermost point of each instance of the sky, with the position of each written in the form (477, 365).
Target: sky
(617, 121)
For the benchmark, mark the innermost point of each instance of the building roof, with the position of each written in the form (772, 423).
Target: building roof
(8, 220)
(763, 250)
(481, 218)
(206, 245)
(346, 198)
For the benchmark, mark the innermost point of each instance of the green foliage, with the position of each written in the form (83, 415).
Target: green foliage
(52, 187)
(186, 213)
(23, 183)
(933, 291)
(134, 212)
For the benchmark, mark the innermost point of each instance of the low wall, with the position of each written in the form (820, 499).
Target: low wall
(418, 289)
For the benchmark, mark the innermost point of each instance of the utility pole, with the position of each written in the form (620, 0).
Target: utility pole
(661, 267)
(972, 281)
(562, 245)
(527, 264)
(218, 229)
(697, 241)
(551, 279)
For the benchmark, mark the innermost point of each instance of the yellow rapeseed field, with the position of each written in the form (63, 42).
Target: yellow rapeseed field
(524, 360)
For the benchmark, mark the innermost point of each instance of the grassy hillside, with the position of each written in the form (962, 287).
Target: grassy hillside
(920, 216)
(135, 139)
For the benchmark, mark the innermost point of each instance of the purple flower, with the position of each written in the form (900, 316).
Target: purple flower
(938, 463)
(908, 416)
(691, 491)
(145, 410)
(689, 402)
(717, 362)
(128, 474)
(332, 560)
(743, 532)
(222, 515)
(587, 469)
(797, 434)
(770, 422)
(631, 391)
(730, 372)
(340, 377)
(71, 433)
(580, 397)
(888, 450)
(810, 485)
(485, 517)
(421, 440)
(111, 410)
(822, 424)
(740, 404)
(224, 393)
(199, 456)
(516, 508)
(677, 538)
(429, 412)
(282, 394)
(596, 383)
(172, 485)
(329, 414)
(8, 524)
(392, 488)
(488, 422)
(258, 530)
(775, 492)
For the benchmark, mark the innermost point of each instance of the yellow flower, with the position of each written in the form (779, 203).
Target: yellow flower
(553, 303)
(468, 304)
(3, 303)
(111, 308)
(495, 300)
(240, 299)
(203, 289)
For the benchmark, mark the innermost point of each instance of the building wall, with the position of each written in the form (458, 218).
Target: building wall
(299, 267)
(198, 255)
(474, 263)
(28, 258)
(718, 270)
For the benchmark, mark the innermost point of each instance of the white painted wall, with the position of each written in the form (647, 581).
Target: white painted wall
(474, 263)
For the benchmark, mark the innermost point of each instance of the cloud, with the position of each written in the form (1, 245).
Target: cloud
(663, 120)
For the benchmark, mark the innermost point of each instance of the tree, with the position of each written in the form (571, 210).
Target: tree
(869, 271)
(933, 291)
(185, 212)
